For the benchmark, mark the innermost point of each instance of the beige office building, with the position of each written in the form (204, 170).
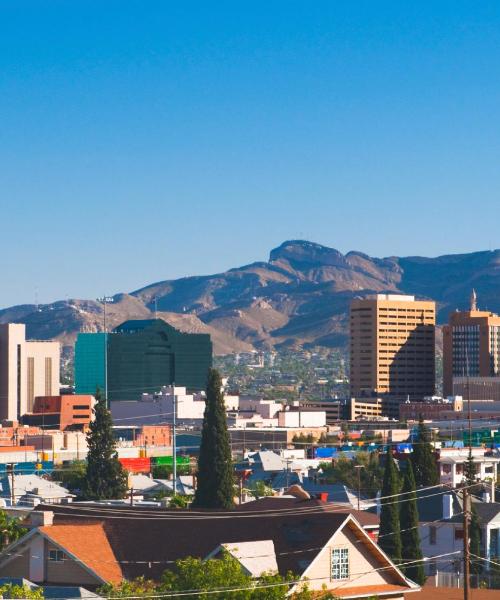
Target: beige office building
(471, 348)
(392, 347)
(27, 369)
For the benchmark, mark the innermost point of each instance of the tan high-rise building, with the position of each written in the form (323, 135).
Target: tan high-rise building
(27, 369)
(471, 345)
(392, 347)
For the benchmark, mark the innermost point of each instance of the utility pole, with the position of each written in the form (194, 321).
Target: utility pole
(358, 469)
(104, 301)
(174, 441)
(466, 503)
(10, 471)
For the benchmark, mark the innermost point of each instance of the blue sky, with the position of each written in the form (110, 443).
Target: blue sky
(147, 140)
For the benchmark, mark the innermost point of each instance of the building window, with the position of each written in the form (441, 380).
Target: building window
(340, 563)
(459, 534)
(432, 535)
(56, 555)
(48, 376)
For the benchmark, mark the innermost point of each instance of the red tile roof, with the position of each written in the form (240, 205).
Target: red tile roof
(89, 544)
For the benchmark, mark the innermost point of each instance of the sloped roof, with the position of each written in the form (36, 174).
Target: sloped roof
(89, 544)
(146, 541)
(256, 558)
(32, 485)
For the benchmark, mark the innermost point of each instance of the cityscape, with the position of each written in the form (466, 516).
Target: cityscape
(250, 319)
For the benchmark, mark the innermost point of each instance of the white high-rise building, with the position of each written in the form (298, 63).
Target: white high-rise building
(27, 369)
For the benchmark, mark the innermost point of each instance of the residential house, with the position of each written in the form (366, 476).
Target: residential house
(328, 547)
(452, 465)
(31, 490)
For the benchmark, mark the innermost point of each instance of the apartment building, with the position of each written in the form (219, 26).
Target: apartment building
(471, 346)
(392, 347)
(27, 369)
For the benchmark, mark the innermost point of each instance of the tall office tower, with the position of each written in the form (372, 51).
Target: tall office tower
(141, 357)
(392, 347)
(27, 369)
(471, 345)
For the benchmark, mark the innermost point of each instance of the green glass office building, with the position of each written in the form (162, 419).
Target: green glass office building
(143, 356)
(90, 362)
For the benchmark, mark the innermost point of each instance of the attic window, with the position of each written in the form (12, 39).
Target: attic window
(340, 563)
(56, 556)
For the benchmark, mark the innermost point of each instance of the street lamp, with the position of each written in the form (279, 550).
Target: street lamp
(104, 301)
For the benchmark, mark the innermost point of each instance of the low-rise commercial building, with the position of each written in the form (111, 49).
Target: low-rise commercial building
(61, 412)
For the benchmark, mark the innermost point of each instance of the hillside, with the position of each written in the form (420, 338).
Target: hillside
(300, 296)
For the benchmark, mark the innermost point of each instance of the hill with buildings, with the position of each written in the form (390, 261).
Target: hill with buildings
(300, 296)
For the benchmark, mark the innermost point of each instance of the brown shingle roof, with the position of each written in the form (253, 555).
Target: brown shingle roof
(88, 542)
(146, 542)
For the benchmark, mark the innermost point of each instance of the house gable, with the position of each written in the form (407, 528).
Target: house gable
(368, 567)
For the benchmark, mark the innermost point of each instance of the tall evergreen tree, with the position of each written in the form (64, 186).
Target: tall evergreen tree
(470, 470)
(390, 536)
(105, 477)
(475, 542)
(215, 485)
(408, 519)
(423, 459)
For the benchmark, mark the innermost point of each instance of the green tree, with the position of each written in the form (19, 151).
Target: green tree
(215, 469)
(423, 458)
(72, 476)
(213, 574)
(105, 478)
(20, 591)
(470, 470)
(225, 574)
(138, 587)
(475, 541)
(408, 518)
(259, 489)
(10, 529)
(390, 536)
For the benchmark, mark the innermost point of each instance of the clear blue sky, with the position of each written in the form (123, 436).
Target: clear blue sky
(147, 140)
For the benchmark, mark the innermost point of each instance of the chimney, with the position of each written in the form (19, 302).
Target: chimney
(41, 518)
(447, 506)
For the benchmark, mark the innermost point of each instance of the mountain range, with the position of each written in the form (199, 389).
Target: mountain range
(299, 297)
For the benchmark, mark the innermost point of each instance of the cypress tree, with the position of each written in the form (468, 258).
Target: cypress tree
(390, 536)
(475, 541)
(105, 477)
(470, 470)
(215, 469)
(408, 519)
(423, 459)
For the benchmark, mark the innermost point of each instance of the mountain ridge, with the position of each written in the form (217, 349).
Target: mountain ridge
(299, 297)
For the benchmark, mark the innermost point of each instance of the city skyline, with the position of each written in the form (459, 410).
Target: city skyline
(145, 145)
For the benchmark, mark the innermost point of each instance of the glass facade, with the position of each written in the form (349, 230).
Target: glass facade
(89, 363)
(142, 357)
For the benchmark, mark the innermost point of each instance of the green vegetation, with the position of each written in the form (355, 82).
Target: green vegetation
(259, 489)
(71, 476)
(408, 518)
(424, 462)
(10, 530)
(343, 471)
(166, 471)
(20, 591)
(105, 478)
(215, 468)
(223, 574)
(476, 566)
(390, 536)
